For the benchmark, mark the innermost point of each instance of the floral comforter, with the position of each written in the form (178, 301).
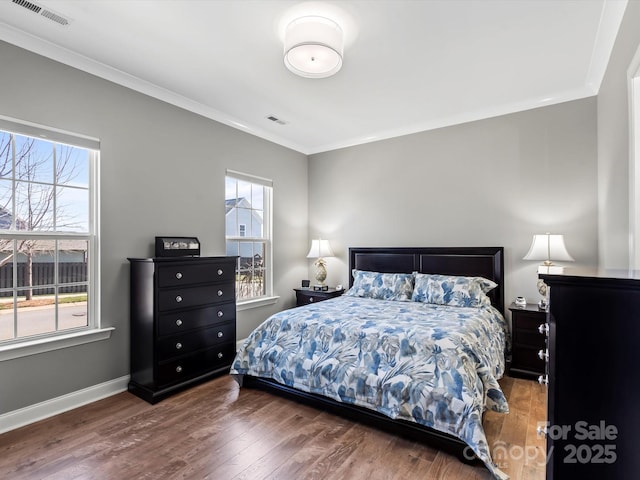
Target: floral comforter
(429, 364)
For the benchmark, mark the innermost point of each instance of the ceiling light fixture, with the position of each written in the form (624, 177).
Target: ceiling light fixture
(313, 47)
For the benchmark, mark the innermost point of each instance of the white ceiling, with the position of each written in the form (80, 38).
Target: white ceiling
(409, 65)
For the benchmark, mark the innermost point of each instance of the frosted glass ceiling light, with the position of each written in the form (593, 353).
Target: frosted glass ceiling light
(313, 47)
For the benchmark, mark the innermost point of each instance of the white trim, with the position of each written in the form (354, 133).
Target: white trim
(246, 177)
(31, 129)
(633, 92)
(49, 408)
(610, 19)
(42, 345)
(65, 56)
(256, 302)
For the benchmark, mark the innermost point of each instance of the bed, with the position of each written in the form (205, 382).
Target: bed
(416, 346)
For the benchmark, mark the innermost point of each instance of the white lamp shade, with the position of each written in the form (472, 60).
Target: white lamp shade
(320, 248)
(313, 47)
(549, 248)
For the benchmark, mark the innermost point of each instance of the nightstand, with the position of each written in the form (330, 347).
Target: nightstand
(528, 338)
(305, 296)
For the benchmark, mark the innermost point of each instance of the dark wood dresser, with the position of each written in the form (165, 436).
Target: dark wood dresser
(593, 376)
(183, 322)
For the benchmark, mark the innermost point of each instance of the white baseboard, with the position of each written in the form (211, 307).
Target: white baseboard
(49, 408)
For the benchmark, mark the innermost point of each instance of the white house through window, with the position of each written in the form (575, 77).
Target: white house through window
(248, 232)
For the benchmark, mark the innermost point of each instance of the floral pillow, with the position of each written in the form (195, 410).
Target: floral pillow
(382, 286)
(452, 290)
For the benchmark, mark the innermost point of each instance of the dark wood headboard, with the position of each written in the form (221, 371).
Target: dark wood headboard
(487, 262)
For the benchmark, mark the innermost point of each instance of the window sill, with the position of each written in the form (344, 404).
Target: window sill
(256, 302)
(34, 347)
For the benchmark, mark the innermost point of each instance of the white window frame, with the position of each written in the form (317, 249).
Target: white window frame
(267, 239)
(24, 346)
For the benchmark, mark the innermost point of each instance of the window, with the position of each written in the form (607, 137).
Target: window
(47, 233)
(248, 233)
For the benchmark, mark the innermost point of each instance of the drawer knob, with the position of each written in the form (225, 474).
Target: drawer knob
(178, 369)
(543, 380)
(310, 299)
(541, 431)
(178, 346)
(179, 275)
(178, 298)
(220, 313)
(220, 272)
(220, 334)
(219, 293)
(220, 355)
(543, 355)
(178, 322)
(544, 329)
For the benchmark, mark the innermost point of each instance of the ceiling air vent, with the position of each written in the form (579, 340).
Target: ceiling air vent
(276, 120)
(35, 8)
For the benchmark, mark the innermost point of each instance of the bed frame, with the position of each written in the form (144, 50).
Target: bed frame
(487, 262)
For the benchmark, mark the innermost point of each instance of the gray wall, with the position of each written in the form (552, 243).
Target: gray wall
(493, 182)
(162, 173)
(613, 145)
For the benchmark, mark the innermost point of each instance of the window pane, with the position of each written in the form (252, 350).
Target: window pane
(34, 160)
(72, 166)
(6, 207)
(72, 311)
(6, 316)
(257, 196)
(244, 218)
(6, 155)
(73, 256)
(35, 263)
(244, 191)
(256, 224)
(251, 270)
(34, 321)
(72, 210)
(230, 188)
(34, 206)
(6, 265)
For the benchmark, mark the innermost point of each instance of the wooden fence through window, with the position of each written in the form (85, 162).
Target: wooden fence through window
(44, 274)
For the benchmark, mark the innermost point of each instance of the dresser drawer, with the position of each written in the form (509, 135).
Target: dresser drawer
(182, 344)
(186, 274)
(174, 298)
(186, 367)
(182, 321)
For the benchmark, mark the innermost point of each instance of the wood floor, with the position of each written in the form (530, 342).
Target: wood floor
(218, 432)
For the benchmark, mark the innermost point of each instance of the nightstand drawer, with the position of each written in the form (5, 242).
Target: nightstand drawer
(305, 296)
(532, 338)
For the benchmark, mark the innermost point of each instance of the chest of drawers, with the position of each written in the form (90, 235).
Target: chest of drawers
(183, 322)
(593, 416)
